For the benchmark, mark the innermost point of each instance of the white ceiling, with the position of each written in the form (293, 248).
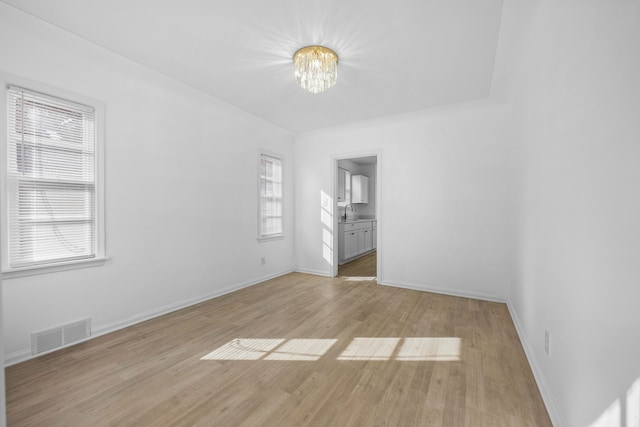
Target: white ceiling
(395, 55)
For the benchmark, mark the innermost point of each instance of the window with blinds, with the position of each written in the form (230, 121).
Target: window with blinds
(271, 221)
(51, 179)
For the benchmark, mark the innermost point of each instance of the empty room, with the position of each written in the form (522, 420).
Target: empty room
(320, 213)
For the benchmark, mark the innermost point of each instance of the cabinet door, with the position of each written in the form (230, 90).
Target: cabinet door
(368, 240)
(374, 235)
(360, 241)
(359, 189)
(350, 244)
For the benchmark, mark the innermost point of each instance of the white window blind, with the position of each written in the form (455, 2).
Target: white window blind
(270, 196)
(51, 179)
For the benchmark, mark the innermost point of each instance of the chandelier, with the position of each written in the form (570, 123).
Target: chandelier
(316, 68)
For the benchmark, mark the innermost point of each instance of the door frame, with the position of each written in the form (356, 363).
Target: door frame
(379, 211)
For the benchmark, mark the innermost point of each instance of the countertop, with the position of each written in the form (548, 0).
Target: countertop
(349, 221)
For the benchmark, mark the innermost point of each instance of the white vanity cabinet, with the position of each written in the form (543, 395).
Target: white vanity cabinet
(359, 189)
(355, 238)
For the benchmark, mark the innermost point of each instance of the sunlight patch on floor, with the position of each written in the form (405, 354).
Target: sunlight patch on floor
(271, 349)
(412, 349)
(302, 349)
(370, 349)
(408, 349)
(435, 349)
(244, 349)
(359, 278)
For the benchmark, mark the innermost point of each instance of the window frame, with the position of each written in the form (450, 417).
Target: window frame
(275, 236)
(100, 257)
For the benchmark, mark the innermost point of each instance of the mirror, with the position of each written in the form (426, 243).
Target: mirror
(344, 187)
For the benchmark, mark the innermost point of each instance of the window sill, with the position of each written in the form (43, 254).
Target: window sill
(269, 238)
(45, 269)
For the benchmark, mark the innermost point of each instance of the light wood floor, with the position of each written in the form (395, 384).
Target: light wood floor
(362, 267)
(294, 351)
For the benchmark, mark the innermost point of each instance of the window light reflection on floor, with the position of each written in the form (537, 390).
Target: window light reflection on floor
(359, 278)
(271, 349)
(301, 349)
(370, 349)
(436, 349)
(409, 349)
(403, 349)
(244, 349)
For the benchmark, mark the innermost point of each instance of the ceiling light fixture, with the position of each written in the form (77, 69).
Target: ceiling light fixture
(316, 68)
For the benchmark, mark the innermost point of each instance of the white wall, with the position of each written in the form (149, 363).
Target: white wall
(570, 72)
(181, 190)
(442, 206)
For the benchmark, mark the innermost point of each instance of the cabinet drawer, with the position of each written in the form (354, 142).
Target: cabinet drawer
(353, 226)
(363, 225)
(348, 226)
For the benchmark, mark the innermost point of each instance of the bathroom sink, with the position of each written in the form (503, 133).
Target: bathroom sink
(356, 220)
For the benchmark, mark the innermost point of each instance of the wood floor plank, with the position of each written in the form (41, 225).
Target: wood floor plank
(297, 350)
(364, 266)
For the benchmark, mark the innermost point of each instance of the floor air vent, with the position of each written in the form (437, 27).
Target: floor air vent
(51, 339)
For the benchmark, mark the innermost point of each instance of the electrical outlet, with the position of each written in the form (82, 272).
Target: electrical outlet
(547, 343)
(263, 260)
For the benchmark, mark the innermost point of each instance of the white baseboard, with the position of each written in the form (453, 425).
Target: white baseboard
(105, 328)
(549, 401)
(455, 293)
(17, 357)
(415, 287)
(314, 272)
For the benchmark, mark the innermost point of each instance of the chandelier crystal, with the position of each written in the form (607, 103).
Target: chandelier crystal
(316, 68)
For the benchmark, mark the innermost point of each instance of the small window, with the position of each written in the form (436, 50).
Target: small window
(270, 203)
(51, 176)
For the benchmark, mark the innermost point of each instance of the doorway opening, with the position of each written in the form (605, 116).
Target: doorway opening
(357, 198)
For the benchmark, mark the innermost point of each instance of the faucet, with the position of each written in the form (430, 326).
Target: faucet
(353, 210)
